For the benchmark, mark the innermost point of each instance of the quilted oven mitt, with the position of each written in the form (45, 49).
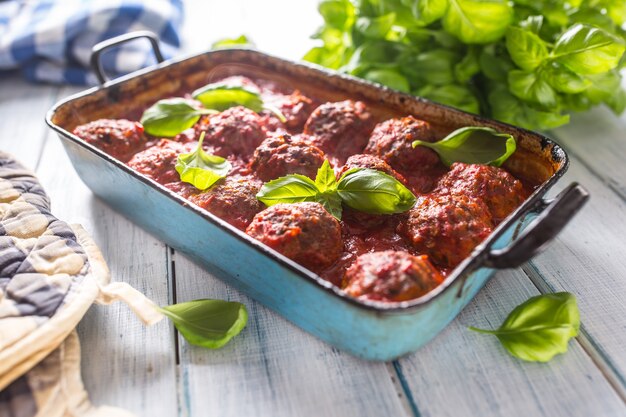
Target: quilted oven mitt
(50, 274)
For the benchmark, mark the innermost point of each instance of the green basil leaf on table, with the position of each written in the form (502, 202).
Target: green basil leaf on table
(200, 169)
(527, 50)
(374, 192)
(539, 328)
(473, 145)
(242, 40)
(588, 50)
(476, 22)
(169, 117)
(208, 323)
(531, 87)
(221, 97)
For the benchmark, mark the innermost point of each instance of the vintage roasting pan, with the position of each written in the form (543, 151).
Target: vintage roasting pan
(371, 330)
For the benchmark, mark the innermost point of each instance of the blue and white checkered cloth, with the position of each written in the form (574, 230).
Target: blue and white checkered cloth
(51, 40)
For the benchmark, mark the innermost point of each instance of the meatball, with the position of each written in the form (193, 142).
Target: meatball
(371, 162)
(447, 228)
(285, 154)
(303, 232)
(236, 131)
(119, 138)
(233, 200)
(392, 141)
(159, 161)
(391, 276)
(295, 107)
(501, 192)
(183, 189)
(340, 128)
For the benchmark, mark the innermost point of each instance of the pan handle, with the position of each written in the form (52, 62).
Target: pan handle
(99, 48)
(554, 216)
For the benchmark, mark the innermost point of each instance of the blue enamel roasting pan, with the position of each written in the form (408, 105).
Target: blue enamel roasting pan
(371, 330)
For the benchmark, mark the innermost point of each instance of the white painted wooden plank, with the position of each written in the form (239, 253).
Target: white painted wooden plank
(463, 373)
(22, 110)
(274, 369)
(599, 139)
(124, 363)
(588, 260)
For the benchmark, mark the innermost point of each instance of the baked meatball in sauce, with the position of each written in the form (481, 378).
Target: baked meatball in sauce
(159, 161)
(447, 228)
(303, 232)
(284, 154)
(340, 129)
(499, 190)
(391, 276)
(232, 199)
(236, 131)
(119, 138)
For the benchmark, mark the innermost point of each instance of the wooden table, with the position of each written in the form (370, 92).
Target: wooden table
(275, 369)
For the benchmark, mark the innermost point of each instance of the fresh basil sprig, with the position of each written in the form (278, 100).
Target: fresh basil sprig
(207, 323)
(539, 328)
(473, 145)
(169, 117)
(200, 169)
(221, 97)
(362, 189)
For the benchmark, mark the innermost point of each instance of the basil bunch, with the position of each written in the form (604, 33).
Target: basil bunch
(200, 169)
(524, 62)
(539, 328)
(473, 145)
(207, 323)
(362, 189)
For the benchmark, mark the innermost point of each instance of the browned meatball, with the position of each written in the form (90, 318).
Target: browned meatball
(119, 138)
(391, 276)
(285, 154)
(183, 189)
(371, 162)
(392, 141)
(303, 232)
(340, 128)
(236, 131)
(233, 200)
(295, 107)
(501, 192)
(159, 161)
(447, 228)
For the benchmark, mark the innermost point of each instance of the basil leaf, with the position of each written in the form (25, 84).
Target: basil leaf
(374, 192)
(527, 50)
(563, 79)
(452, 95)
(221, 97)
(388, 77)
(325, 179)
(293, 188)
(427, 11)
(467, 67)
(208, 323)
(588, 50)
(375, 27)
(169, 117)
(242, 40)
(539, 328)
(473, 145)
(531, 86)
(338, 14)
(477, 21)
(436, 67)
(201, 169)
